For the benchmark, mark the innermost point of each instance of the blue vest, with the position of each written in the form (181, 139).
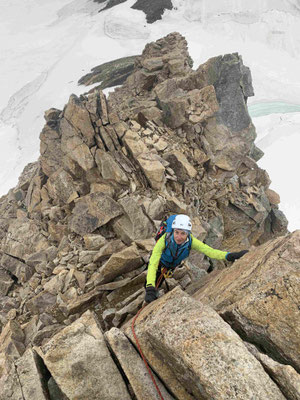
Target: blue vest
(174, 254)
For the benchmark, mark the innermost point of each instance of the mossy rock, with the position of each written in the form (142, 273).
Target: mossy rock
(110, 74)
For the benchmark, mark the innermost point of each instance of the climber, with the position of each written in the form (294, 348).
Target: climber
(174, 247)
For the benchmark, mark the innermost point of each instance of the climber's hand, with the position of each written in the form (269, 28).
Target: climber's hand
(151, 294)
(235, 256)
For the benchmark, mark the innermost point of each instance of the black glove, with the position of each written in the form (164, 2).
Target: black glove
(235, 256)
(151, 294)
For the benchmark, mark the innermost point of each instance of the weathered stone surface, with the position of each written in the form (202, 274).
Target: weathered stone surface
(233, 84)
(94, 241)
(87, 256)
(134, 224)
(273, 197)
(5, 282)
(79, 354)
(81, 303)
(79, 118)
(153, 10)
(17, 268)
(82, 155)
(12, 340)
(56, 284)
(30, 377)
(259, 297)
(7, 304)
(183, 169)
(134, 367)
(204, 355)
(43, 335)
(50, 148)
(110, 74)
(153, 169)
(41, 302)
(110, 248)
(124, 261)
(174, 108)
(285, 376)
(24, 237)
(154, 208)
(61, 186)
(41, 257)
(109, 169)
(135, 302)
(9, 381)
(146, 244)
(134, 144)
(93, 211)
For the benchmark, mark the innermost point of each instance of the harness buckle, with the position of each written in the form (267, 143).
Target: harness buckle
(168, 274)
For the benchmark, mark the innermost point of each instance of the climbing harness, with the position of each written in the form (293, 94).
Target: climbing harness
(168, 274)
(164, 271)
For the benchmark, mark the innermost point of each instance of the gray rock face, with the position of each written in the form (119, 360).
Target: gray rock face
(110, 74)
(209, 360)
(24, 238)
(154, 9)
(17, 268)
(285, 376)
(254, 296)
(30, 377)
(79, 354)
(5, 282)
(119, 263)
(233, 85)
(93, 211)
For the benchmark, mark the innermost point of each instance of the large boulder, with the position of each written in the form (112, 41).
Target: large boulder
(79, 354)
(259, 297)
(119, 263)
(24, 237)
(179, 163)
(189, 341)
(134, 224)
(93, 211)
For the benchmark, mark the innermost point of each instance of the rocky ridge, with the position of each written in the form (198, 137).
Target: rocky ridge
(153, 9)
(77, 231)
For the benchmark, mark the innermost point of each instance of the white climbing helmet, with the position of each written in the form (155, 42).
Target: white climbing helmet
(182, 222)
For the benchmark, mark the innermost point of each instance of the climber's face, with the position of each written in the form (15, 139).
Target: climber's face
(180, 236)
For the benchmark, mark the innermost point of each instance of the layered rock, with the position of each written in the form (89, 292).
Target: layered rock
(259, 297)
(77, 231)
(197, 354)
(79, 354)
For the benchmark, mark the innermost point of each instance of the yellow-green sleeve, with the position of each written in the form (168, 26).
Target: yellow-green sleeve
(208, 251)
(154, 260)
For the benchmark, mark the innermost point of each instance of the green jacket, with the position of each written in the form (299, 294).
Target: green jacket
(161, 245)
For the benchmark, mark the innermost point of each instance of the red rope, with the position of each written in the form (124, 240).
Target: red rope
(138, 344)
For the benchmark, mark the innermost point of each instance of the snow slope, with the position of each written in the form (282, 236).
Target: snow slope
(45, 47)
